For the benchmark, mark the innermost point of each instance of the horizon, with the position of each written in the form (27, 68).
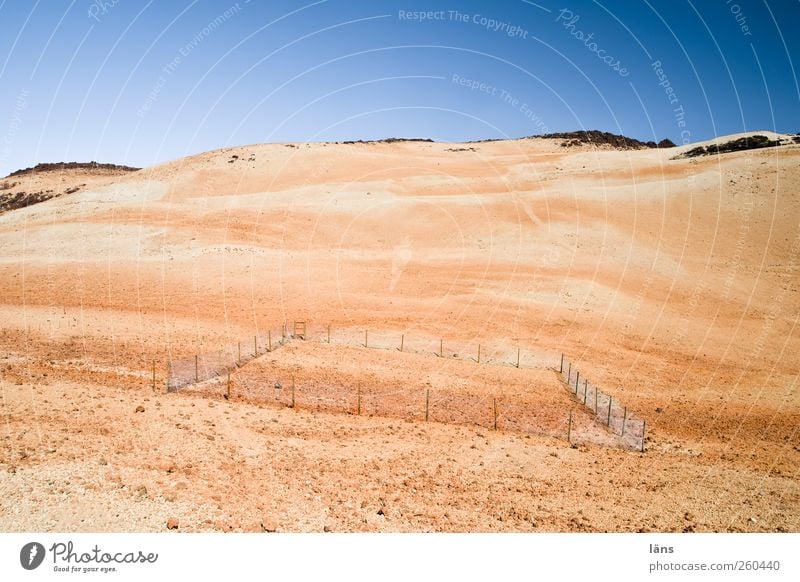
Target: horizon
(349, 142)
(139, 85)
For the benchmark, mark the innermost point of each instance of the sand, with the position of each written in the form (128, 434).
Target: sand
(670, 284)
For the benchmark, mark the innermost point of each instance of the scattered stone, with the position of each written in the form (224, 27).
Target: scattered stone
(269, 525)
(326, 529)
(140, 408)
(172, 523)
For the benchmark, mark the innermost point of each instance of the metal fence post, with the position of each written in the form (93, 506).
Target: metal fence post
(569, 428)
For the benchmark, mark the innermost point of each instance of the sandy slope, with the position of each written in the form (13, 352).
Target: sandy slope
(673, 284)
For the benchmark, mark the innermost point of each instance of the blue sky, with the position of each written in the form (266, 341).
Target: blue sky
(139, 82)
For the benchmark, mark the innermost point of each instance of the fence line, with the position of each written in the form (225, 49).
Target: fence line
(210, 365)
(612, 413)
(418, 403)
(222, 371)
(478, 351)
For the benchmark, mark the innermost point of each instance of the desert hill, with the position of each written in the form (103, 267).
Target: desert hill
(669, 280)
(42, 182)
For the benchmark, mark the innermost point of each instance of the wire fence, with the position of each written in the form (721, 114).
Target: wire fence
(207, 366)
(406, 402)
(606, 410)
(500, 353)
(601, 419)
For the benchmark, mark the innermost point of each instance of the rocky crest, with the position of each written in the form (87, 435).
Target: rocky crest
(594, 137)
(752, 142)
(58, 166)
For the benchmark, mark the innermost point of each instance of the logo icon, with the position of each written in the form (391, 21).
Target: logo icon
(31, 555)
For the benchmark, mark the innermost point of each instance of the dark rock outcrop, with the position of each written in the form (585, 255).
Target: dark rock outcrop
(58, 166)
(752, 142)
(594, 137)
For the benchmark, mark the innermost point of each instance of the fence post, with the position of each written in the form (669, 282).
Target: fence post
(577, 379)
(610, 399)
(196, 374)
(269, 340)
(569, 428)
(329, 333)
(228, 394)
(427, 403)
(366, 338)
(624, 419)
(644, 424)
(561, 369)
(255, 346)
(402, 340)
(517, 357)
(495, 413)
(479, 353)
(569, 373)
(585, 387)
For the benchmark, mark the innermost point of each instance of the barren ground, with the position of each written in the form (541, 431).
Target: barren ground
(671, 284)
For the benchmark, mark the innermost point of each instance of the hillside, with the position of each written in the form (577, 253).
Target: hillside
(671, 282)
(45, 181)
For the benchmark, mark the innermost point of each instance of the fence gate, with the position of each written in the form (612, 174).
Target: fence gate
(300, 329)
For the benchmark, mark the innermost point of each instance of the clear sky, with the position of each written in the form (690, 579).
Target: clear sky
(139, 82)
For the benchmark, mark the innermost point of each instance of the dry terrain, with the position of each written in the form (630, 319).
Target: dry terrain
(671, 283)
